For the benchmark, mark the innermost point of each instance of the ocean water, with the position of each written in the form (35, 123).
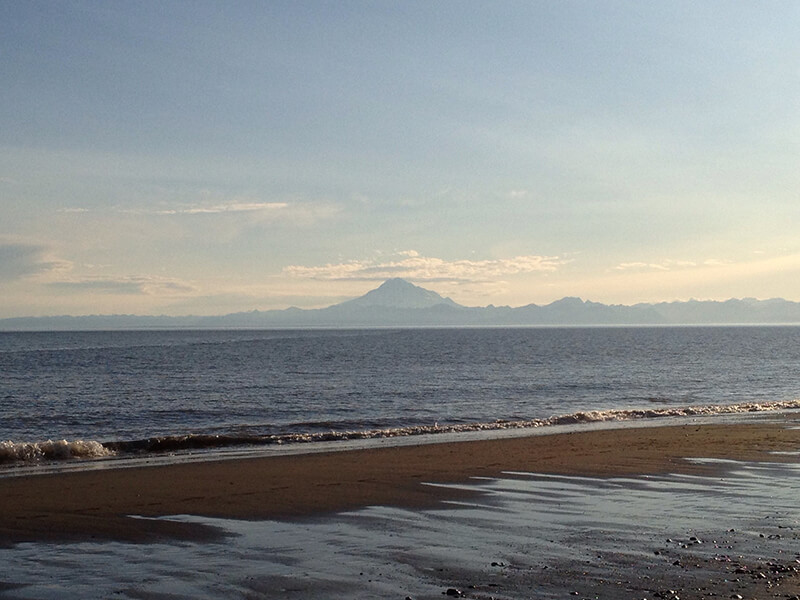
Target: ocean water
(147, 391)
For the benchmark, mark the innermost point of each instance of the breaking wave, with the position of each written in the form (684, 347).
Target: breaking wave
(51, 450)
(61, 450)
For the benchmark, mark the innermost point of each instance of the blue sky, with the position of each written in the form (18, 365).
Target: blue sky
(210, 157)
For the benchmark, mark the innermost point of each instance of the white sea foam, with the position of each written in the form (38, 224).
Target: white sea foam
(61, 450)
(51, 450)
(594, 416)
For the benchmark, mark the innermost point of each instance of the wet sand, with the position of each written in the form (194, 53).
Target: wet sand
(100, 504)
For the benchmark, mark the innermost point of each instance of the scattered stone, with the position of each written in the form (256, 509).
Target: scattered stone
(453, 592)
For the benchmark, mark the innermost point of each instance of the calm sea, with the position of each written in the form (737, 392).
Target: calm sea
(244, 386)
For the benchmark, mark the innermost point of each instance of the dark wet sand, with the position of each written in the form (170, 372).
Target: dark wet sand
(97, 504)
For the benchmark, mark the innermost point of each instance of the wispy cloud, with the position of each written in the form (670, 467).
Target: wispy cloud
(641, 266)
(668, 265)
(232, 207)
(19, 258)
(410, 264)
(148, 286)
(715, 262)
(193, 209)
(298, 213)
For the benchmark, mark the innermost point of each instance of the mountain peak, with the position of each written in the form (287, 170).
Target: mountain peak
(399, 293)
(397, 283)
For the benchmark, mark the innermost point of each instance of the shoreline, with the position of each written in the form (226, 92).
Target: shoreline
(23, 458)
(107, 504)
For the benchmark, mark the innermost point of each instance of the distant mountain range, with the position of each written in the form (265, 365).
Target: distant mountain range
(398, 303)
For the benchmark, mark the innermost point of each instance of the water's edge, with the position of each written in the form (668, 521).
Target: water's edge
(18, 458)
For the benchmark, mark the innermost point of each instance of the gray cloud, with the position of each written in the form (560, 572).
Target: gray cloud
(22, 259)
(136, 286)
(99, 286)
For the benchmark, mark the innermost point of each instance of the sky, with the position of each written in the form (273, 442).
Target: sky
(212, 157)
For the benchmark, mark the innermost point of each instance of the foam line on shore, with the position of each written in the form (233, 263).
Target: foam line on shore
(30, 452)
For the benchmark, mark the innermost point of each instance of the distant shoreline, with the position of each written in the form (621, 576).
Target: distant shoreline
(398, 303)
(165, 328)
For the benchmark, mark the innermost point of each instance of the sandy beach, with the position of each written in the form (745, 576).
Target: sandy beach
(98, 504)
(694, 511)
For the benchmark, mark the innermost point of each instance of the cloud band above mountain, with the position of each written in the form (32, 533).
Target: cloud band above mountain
(410, 264)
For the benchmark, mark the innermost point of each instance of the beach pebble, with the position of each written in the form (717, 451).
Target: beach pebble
(453, 592)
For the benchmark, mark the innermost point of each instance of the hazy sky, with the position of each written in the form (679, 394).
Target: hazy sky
(210, 157)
